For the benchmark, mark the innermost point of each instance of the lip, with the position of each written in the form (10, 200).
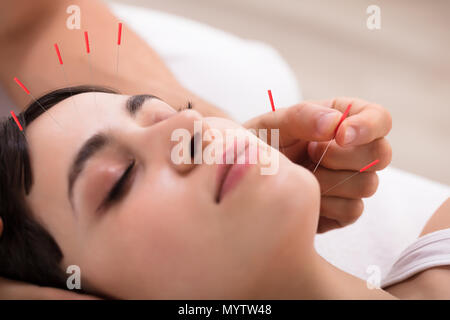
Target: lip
(229, 175)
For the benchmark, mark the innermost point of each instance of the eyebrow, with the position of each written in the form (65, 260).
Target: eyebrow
(134, 103)
(92, 146)
(99, 141)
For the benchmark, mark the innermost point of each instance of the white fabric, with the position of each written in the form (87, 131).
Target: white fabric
(431, 250)
(235, 75)
(393, 218)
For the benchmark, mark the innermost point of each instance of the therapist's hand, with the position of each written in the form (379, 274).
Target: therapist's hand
(305, 130)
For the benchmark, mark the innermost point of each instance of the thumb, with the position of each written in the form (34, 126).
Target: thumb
(306, 120)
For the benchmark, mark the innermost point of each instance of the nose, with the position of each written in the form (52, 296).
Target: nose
(175, 141)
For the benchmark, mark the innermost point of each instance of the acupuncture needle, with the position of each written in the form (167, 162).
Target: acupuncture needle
(273, 110)
(356, 173)
(335, 132)
(61, 63)
(17, 122)
(119, 41)
(88, 51)
(28, 92)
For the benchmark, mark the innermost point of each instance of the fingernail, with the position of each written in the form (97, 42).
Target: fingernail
(326, 122)
(350, 135)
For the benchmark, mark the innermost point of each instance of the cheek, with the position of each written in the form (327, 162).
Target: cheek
(168, 228)
(282, 208)
(156, 241)
(300, 193)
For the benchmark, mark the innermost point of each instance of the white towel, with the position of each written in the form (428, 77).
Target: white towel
(431, 250)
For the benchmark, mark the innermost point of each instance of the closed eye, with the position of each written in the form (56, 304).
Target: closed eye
(119, 189)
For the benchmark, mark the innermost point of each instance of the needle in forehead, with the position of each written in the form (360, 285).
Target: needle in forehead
(61, 63)
(17, 122)
(119, 41)
(335, 131)
(28, 92)
(88, 51)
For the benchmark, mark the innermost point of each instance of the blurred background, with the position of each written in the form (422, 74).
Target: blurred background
(405, 66)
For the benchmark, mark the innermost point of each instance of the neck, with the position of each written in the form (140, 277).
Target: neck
(314, 278)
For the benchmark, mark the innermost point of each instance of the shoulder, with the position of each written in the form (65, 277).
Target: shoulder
(433, 283)
(439, 220)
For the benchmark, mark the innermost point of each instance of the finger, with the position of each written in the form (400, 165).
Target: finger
(326, 224)
(344, 211)
(365, 123)
(362, 185)
(351, 158)
(303, 121)
(323, 102)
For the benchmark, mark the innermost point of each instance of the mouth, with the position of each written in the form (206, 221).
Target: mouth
(229, 175)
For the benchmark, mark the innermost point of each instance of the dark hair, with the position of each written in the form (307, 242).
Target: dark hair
(27, 250)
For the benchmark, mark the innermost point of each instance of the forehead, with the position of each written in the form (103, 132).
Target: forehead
(80, 112)
(56, 135)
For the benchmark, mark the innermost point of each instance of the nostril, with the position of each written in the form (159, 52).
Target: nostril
(195, 145)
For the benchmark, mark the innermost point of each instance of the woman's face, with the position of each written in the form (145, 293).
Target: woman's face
(140, 225)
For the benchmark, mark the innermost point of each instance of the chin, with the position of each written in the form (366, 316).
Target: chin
(298, 199)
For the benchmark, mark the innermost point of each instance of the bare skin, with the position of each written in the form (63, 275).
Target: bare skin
(433, 283)
(28, 53)
(249, 245)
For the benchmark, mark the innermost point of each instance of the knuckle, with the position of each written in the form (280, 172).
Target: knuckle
(340, 100)
(296, 110)
(382, 150)
(368, 125)
(369, 184)
(287, 116)
(388, 117)
(355, 211)
(318, 151)
(263, 123)
(334, 101)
